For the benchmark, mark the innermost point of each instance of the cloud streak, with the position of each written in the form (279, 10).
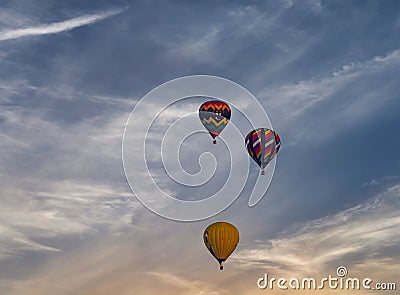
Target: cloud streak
(67, 205)
(58, 27)
(358, 234)
(65, 200)
(297, 99)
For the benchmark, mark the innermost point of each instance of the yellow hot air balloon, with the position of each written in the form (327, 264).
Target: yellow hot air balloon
(221, 239)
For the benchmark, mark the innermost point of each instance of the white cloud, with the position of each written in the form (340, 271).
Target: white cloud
(64, 209)
(14, 242)
(355, 236)
(59, 180)
(315, 5)
(375, 63)
(382, 181)
(58, 27)
(293, 100)
(307, 109)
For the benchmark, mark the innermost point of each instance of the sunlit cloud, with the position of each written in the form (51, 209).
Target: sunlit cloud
(355, 236)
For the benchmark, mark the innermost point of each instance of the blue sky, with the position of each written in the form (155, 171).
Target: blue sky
(326, 72)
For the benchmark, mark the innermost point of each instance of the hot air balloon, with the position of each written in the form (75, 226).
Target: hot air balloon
(214, 115)
(262, 145)
(221, 239)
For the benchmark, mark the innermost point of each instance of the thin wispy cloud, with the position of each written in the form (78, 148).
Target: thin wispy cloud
(14, 243)
(58, 27)
(297, 99)
(64, 198)
(362, 232)
(304, 101)
(63, 206)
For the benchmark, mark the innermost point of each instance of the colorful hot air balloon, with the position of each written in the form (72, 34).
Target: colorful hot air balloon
(214, 115)
(262, 145)
(221, 239)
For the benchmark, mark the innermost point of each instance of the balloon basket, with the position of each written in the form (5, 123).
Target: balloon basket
(262, 172)
(214, 142)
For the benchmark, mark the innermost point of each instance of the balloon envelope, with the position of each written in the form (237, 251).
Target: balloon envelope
(221, 239)
(262, 145)
(214, 115)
